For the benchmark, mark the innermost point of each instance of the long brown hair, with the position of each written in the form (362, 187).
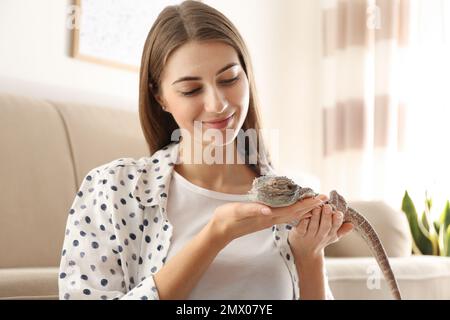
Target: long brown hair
(176, 25)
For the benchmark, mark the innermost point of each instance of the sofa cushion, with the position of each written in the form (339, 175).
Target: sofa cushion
(98, 135)
(29, 283)
(37, 182)
(418, 277)
(391, 226)
(47, 149)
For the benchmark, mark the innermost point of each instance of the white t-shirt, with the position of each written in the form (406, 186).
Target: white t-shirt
(249, 267)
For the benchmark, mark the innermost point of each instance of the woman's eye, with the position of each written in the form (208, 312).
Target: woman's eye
(190, 93)
(229, 81)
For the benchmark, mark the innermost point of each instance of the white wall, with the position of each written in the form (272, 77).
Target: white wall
(34, 46)
(282, 36)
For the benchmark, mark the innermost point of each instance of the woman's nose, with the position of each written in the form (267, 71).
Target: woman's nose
(215, 102)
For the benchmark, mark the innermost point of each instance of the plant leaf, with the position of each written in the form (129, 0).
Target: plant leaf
(447, 242)
(445, 215)
(428, 201)
(424, 221)
(437, 226)
(421, 241)
(427, 223)
(442, 249)
(434, 238)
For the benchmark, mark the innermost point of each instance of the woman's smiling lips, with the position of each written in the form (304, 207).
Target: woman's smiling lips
(219, 124)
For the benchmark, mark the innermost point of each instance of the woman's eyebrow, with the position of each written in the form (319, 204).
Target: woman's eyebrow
(190, 78)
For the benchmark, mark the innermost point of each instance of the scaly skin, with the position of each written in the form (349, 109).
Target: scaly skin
(280, 191)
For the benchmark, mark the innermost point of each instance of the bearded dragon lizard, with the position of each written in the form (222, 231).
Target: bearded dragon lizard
(280, 191)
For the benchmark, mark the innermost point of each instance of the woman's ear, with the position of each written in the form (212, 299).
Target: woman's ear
(158, 97)
(153, 90)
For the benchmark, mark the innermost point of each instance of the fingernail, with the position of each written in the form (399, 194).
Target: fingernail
(266, 210)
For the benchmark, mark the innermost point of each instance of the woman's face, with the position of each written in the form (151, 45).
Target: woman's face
(203, 82)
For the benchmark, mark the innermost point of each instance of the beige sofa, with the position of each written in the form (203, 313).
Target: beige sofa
(46, 149)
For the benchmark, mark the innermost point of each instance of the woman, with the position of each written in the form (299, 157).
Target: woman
(178, 224)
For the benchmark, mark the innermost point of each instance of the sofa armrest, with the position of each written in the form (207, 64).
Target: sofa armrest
(29, 283)
(418, 277)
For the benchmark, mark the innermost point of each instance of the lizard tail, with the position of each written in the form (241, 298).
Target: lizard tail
(368, 233)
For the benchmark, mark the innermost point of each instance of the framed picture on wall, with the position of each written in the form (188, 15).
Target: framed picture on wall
(113, 32)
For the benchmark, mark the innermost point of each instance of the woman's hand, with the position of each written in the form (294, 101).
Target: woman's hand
(309, 238)
(235, 219)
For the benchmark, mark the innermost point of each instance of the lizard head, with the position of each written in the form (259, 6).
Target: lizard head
(338, 202)
(278, 191)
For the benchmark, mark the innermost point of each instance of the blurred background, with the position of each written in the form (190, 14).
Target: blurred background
(357, 89)
(355, 95)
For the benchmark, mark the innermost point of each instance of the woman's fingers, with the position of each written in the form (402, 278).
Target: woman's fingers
(307, 215)
(323, 197)
(337, 219)
(303, 223)
(252, 209)
(302, 227)
(297, 211)
(325, 221)
(345, 229)
(306, 205)
(314, 223)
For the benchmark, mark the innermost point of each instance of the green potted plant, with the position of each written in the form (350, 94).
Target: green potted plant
(429, 237)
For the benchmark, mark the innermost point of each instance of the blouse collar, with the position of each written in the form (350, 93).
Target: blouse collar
(152, 188)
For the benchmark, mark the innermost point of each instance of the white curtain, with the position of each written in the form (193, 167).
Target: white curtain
(425, 85)
(382, 79)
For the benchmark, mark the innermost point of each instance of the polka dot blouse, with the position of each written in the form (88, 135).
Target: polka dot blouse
(118, 234)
